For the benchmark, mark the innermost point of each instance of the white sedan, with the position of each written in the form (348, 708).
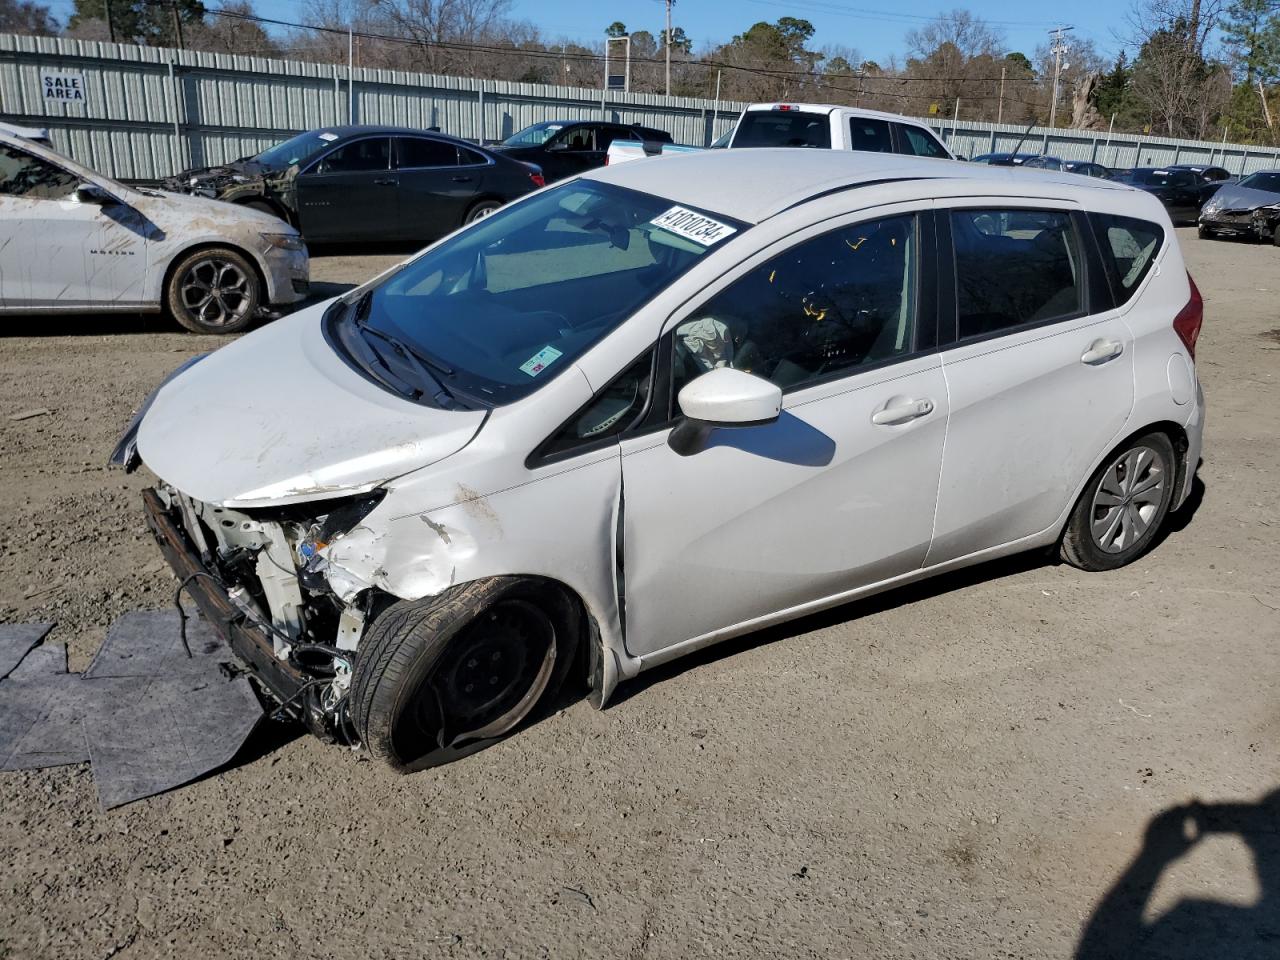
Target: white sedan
(72, 240)
(668, 403)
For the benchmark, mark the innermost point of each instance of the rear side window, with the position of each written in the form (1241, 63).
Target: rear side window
(1129, 248)
(468, 157)
(1015, 268)
(768, 128)
(869, 134)
(920, 143)
(414, 152)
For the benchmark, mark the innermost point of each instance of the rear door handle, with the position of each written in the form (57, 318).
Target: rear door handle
(1100, 351)
(461, 179)
(902, 410)
(386, 182)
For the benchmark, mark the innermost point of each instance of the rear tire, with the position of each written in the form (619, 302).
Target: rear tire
(1123, 505)
(215, 290)
(440, 678)
(481, 210)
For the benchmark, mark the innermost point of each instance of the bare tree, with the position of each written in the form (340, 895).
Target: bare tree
(23, 16)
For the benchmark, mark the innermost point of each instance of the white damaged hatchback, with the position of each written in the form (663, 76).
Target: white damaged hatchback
(665, 404)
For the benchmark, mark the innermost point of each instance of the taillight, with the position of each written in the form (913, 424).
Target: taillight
(538, 179)
(1189, 319)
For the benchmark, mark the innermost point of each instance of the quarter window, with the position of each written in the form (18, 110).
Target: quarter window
(870, 135)
(1129, 248)
(614, 409)
(414, 152)
(22, 175)
(1015, 268)
(920, 143)
(362, 156)
(829, 305)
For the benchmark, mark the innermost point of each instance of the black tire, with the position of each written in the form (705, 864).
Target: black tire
(190, 295)
(480, 210)
(1103, 536)
(422, 672)
(1275, 236)
(1206, 233)
(262, 206)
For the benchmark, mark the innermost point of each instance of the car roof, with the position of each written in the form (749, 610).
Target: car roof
(753, 185)
(833, 108)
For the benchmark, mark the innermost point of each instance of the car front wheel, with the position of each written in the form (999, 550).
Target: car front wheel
(439, 678)
(1205, 232)
(214, 290)
(1123, 506)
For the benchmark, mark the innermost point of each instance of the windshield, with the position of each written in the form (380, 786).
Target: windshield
(297, 149)
(770, 128)
(534, 136)
(1270, 182)
(508, 303)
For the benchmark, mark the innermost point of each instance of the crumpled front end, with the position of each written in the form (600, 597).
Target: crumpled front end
(258, 577)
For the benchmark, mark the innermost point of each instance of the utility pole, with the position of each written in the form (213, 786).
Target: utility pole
(1059, 48)
(177, 27)
(668, 45)
(1000, 110)
(111, 27)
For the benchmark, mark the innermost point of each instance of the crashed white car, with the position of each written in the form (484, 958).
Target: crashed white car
(74, 241)
(664, 404)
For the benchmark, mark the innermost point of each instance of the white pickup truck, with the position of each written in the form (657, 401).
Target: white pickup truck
(817, 126)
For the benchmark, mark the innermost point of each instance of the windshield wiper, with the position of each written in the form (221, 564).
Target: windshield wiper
(440, 394)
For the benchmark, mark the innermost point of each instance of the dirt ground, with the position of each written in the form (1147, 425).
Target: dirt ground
(960, 769)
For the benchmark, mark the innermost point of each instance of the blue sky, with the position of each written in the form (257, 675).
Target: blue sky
(876, 32)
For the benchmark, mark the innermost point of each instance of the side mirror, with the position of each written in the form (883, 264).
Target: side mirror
(92, 193)
(723, 397)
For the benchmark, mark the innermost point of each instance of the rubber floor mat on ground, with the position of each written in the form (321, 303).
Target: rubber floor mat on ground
(147, 716)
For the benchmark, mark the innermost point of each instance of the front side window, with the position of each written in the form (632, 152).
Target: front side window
(577, 139)
(789, 128)
(360, 156)
(1015, 268)
(921, 144)
(828, 305)
(502, 307)
(870, 135)
(22, 175)
(413, 152)
(1129, 248)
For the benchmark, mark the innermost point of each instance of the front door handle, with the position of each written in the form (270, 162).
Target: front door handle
(1100, 351)
(461, 179)
(901, 410)
(386, 182)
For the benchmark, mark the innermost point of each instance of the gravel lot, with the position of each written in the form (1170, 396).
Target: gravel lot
(959, 769)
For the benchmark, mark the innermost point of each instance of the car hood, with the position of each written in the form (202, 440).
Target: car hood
(278, 417)
(1232, 196)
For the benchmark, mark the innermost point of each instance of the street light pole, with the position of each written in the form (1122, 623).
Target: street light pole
(668, 45)
(1059, 48)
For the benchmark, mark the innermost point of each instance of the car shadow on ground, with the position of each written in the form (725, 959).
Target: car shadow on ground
(890, 599)
(1194, 928)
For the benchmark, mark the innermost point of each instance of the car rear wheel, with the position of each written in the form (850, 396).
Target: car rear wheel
(439, 678)
(481, 210)
(1123, 506)
(214, 290)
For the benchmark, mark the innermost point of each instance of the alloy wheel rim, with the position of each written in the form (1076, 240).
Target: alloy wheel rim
(215, 292)
(1128, 500)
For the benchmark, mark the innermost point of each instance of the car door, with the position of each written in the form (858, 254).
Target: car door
(59, 251)
(836, 494)
(1039, 369)
(350, 194)
(918, 142)
(434, 189)
(1186, 195)
(571, 151)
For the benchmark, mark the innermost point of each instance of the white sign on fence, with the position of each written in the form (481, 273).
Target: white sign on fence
(62, 86)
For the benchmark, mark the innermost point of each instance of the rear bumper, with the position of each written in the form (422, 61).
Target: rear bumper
(249, 643)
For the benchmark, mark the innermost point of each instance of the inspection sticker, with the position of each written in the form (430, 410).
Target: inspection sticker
(694, 226)
(539, 361)
(328, 137)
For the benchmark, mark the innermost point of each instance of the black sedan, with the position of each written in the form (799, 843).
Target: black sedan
(1178, 190)
(565, 148)
(366, 183)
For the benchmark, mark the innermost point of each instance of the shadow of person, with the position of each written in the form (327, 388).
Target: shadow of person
(1194, 928)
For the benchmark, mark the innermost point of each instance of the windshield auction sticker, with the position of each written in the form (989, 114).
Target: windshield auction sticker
(694, 226)
(539, 361)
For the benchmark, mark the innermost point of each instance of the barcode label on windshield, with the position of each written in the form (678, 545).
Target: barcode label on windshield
(694, 226)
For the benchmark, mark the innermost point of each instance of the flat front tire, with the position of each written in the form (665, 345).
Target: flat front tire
(1123, 505)
(214, 290)
(439, 678)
